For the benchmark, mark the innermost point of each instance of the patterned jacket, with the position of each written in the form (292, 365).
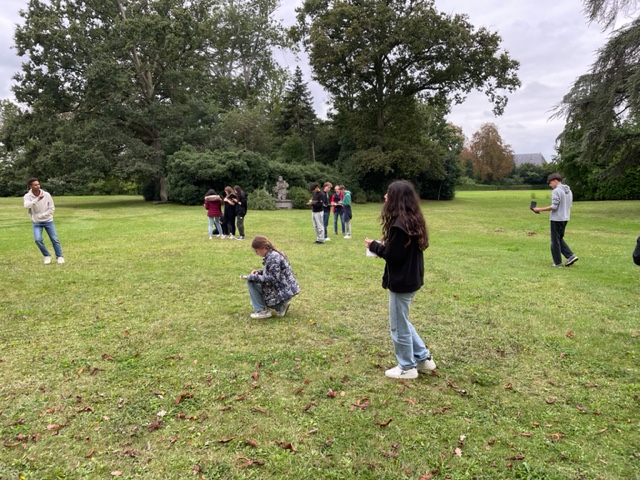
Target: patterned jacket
(278, 282)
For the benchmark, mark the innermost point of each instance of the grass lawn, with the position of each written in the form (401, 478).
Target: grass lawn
(137, 358)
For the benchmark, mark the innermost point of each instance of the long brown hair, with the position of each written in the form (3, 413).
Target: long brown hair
(403, 207)
(263, 242)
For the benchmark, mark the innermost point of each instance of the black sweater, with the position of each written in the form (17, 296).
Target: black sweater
(404, 269)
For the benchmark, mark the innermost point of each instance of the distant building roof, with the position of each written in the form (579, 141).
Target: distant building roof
(535, 158)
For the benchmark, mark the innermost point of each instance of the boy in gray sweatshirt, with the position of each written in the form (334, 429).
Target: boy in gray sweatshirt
(560, 208)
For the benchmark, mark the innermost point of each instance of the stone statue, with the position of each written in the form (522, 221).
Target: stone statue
(281, 188)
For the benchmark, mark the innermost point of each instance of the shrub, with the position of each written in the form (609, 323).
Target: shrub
(299, 196)
(260, 199)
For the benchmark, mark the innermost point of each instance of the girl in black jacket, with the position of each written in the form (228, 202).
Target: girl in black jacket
(404, 238)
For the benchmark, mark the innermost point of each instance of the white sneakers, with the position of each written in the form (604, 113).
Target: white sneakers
(47, 260)
(262, 314)
(397, 372)
(426, 365)
(412, 373)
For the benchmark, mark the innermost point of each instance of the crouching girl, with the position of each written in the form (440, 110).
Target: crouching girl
(274, 285)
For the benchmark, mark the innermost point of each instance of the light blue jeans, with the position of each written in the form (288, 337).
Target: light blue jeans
(407, 344)
(53, 236)
(255, 294)
(214, 221)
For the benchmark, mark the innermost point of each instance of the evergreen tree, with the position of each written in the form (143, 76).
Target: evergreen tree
(297, 116)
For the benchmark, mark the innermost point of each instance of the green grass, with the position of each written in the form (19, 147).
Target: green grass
(138, 359)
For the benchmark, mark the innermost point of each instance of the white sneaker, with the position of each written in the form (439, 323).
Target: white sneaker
(347, 236)
(426, 365)
(47, 260)
(397, 372)
(210, 237)
(261, 314)
(231, 237)
(327, 239)
(282, 311)
(60, 259)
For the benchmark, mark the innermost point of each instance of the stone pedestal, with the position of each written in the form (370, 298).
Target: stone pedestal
(284, 204)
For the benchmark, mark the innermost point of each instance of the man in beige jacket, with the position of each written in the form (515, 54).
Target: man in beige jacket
(40, 206)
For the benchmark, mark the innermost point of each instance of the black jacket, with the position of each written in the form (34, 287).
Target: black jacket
(636, 253)
(404, 269)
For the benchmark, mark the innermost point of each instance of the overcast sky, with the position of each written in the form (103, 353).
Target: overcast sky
(550, 38)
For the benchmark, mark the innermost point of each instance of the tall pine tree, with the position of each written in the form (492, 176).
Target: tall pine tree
(297, 116)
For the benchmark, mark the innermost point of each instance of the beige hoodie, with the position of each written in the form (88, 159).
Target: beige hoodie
(40, 211)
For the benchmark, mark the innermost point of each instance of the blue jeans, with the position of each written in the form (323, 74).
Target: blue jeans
(407, 344)
(558, 245)
(327, 215)
(53, 236)
(338, 214)
(255, 294)
(214, 221)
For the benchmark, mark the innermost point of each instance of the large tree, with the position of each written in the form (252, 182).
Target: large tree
(375, 56)
(297, 116)
(599, 149)
(492, 158)
(117, 87)
(381, 60)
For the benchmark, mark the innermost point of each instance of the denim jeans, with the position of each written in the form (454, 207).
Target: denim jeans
(338, 214)
(255, 294)
(327, 215)
(214, 221)
(558, 245)
(407, 344)
(53, 236)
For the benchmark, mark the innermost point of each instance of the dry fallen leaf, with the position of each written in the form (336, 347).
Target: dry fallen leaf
(252, 443)
(384, 424)
(182, 396)
(551, 400)
(286, 446)
(458, 452)
(155, 426)
(226, 440)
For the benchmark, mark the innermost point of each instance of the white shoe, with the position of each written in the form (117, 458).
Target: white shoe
(284, 308)
(210, 237)
(347, 236)
(261, 314)
(426, 365)
(60, 259)
(47, 260)
(397, 372)
(327, 239)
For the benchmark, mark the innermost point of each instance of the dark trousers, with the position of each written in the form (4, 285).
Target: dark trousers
(229, 225)
(240, 222)
(558, 245)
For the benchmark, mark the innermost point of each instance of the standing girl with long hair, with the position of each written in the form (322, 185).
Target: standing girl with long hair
(241, 210)
(404, 238)
(229, 218)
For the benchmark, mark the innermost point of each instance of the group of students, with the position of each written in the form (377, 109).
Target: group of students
(224, 211)
(322, 202)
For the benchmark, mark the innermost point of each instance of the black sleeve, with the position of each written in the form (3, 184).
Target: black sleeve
(636, 253)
